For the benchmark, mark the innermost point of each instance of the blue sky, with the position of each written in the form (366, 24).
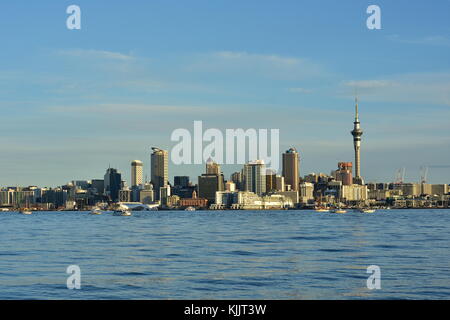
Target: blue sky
(74, 102)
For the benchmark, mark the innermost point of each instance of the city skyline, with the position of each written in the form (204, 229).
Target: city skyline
(73, 102)
(159, 167)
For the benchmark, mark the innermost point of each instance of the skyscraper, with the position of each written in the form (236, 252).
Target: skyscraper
(211, 182)
(113, 183)
(255, 177)
(357, 133)
(136, 173)
(159, 169)
(290, 171)
(212, 167)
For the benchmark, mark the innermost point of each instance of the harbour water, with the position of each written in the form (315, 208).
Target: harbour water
(226, 255)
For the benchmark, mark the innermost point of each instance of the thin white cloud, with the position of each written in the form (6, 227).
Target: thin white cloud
(433, 40)
(96, 54)
(424, 88)
(300, 90)
(128, 109)
(251, 65)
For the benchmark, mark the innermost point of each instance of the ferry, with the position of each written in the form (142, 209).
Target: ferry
(189, 209)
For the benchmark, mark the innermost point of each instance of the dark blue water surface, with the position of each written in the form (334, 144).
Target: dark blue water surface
(226, 255)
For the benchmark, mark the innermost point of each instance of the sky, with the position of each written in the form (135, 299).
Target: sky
(74, 102)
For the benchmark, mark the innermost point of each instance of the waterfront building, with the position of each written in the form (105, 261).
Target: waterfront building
(255, 177)
(246, 200)
(113, 183)
(159, 170)
(306, 192)
(409, 189)
(125, 195)
(194, 202)
(357, 133)
(439, 189)
(290, 169)
(147, 194)
(173, 201)
(354, 193)
(164, 194)
(291, 194)
(137, 173)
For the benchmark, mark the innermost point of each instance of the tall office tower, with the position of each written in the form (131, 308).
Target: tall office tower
(212, 167)
(181, 181)
(237, 178)
(159, 170)
(113, 183)
(357, 133)
(136, 173)
(271, 181)
(208, 185)
(255, 177)
(291, 172)
(211, 182)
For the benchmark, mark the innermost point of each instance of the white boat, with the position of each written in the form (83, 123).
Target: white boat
(366, 210)
(25, 211)
(322, 209)
(189, 209)
(96, 211)
(122, 212)
(339, 211)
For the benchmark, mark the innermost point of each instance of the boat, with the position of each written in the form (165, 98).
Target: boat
(366, 210)
(26, 210)
(96, 211)
(320, 207)
(338, 210)
(189, 209)
(122, 212)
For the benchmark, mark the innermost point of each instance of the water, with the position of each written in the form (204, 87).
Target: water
(226, 255)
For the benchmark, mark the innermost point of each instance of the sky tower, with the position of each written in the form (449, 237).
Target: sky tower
(357, 133)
